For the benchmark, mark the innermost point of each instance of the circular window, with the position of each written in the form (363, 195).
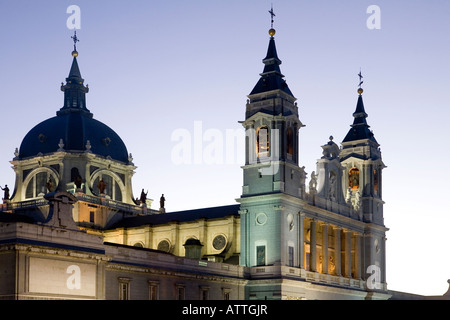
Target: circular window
(164, 245)
(219, 242)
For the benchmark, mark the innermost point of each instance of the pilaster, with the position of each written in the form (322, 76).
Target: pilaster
(324, 247)
(313, 246)
(301, 237)
(337, 250)
(358, 255)
(347, 253)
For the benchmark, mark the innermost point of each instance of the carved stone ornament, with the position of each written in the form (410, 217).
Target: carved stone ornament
(219, 242)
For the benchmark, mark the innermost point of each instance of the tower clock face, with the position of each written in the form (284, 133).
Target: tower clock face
(219, 242)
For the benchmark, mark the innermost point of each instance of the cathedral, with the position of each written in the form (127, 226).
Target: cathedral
(72, 229)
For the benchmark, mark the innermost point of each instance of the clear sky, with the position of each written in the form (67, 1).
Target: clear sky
(157, 69)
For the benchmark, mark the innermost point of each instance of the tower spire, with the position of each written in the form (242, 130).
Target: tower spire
(74, 89)
(360, 129)
(271, 77)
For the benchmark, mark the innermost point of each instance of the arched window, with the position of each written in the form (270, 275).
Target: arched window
(353, 178)
(40, 182)
(262, 142)
(107, 184)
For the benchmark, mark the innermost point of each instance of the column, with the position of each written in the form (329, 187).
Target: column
(301, 236)
(244, 259)
(337, 250)
(348, 254)
(383, 262)
(313, 247)
(325, 248)
(358, 255)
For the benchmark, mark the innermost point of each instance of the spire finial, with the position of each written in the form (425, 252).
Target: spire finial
(75, 40)
(272, 14)
(360, 90)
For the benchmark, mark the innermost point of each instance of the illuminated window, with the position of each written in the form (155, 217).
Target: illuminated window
(353, 178)
(262, 142)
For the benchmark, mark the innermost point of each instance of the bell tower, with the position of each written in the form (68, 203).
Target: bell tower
(361, 159)
(362, 164)
(272, 133)
(273, 180)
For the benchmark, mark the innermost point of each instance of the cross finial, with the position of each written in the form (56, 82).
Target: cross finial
(360, 90)
(75, 40)
(360, 78)
(272, 14)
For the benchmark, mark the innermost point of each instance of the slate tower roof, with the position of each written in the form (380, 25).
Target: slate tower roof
(360, 129)
(271, 77)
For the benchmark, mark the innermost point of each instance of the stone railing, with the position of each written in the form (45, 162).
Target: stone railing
(262, 272)
(11, 206)
(114, 205)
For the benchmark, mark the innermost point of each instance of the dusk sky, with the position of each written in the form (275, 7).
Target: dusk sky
(160, 69)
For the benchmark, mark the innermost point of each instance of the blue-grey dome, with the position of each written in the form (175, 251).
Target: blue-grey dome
(75, 129)
(73, 126)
